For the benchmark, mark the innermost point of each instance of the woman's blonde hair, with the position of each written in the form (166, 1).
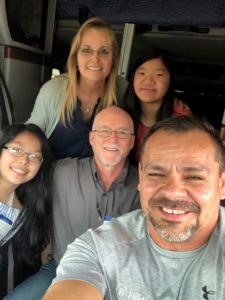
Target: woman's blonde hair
(70, 99)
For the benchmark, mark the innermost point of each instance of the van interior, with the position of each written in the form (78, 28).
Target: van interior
(35, 38)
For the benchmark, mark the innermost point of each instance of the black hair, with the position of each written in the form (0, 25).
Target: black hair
(35, 196)
(132, 102)
(182, 124)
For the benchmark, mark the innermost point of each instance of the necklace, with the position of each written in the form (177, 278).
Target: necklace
(88, 109)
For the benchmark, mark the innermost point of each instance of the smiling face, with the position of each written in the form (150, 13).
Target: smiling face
(96, 66)
(151, 81)
(112, 151)
(180, 188)
(17, 170)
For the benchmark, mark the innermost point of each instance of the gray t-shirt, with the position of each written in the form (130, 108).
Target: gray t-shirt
(124, 263)
(80, 201)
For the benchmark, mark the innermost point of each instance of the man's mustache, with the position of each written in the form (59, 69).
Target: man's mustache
(175, 204)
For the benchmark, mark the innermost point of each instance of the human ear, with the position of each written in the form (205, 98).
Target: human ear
(90, 137)
(222, 187)
(132, 142)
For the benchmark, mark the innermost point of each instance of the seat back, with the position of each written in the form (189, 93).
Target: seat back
(5, 104)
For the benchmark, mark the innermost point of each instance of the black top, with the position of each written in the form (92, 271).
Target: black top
(73, 140)
(13, 268)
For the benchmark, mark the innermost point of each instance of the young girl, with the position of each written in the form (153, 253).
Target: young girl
(25, 205)
(150, 95)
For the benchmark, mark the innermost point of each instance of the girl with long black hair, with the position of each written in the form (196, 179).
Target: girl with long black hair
(25, 202)
(150, 94)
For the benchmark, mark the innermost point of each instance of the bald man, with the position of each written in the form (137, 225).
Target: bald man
(89, 191)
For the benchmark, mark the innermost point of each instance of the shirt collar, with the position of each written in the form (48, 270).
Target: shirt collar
(120, 180)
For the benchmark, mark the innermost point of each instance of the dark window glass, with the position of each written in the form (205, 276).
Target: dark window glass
(27, 21)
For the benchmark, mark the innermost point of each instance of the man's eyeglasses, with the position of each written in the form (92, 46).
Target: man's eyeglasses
(88, 51)
(19, 152)
(107, 132)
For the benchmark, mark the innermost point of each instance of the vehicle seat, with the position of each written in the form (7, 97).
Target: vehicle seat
(5, 105)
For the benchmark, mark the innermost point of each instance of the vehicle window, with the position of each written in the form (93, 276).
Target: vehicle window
(27, 21)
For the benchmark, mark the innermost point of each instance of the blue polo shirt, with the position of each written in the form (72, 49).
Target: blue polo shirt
(73, 141)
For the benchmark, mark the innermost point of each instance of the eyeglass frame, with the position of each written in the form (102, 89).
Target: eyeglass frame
(22, 153)
(127, 133)
(92, 51)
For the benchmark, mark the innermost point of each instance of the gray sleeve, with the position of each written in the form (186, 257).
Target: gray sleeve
(46, 109)
(40, 113)
(81, 262)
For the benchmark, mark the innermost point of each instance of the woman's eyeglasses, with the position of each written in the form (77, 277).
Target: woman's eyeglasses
(88, 51)
(19, 152)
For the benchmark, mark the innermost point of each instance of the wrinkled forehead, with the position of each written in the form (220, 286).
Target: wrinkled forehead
(193, 143)
(113, 118)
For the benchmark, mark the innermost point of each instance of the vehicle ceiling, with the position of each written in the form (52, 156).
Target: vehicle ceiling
(193, 31)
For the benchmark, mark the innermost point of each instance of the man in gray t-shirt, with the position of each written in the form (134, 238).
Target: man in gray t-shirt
(174, 248)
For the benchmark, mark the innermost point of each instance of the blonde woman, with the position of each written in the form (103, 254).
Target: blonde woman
(66, 105)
